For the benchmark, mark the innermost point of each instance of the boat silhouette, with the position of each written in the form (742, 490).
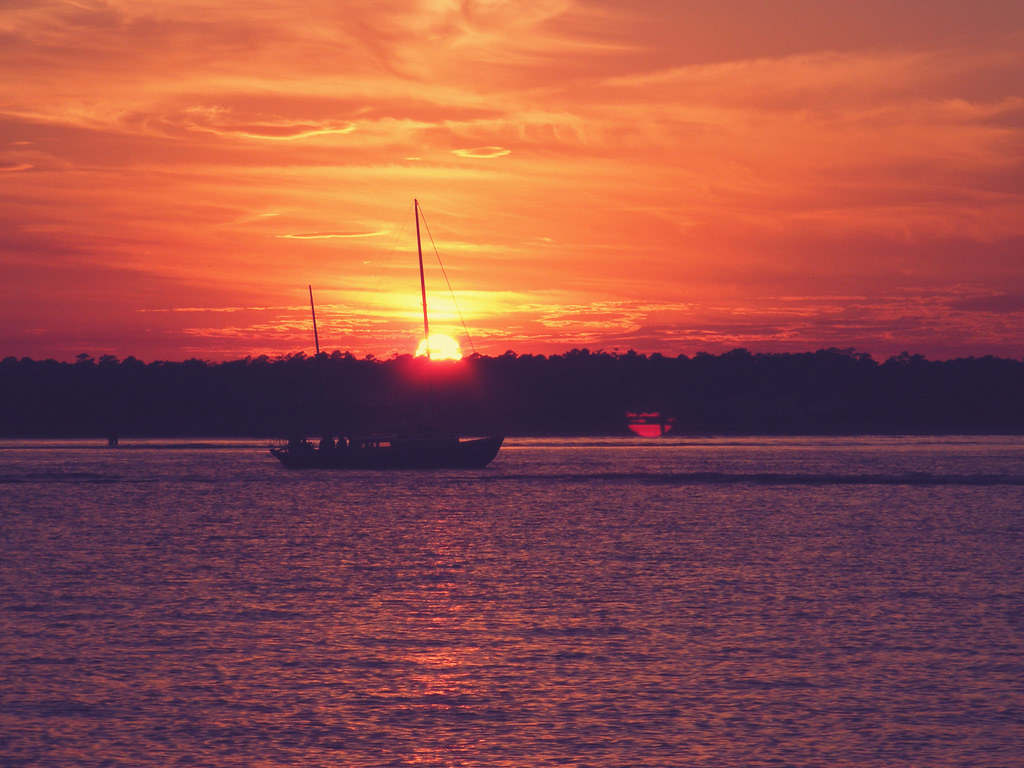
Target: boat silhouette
(650, 424)
(392, 452)
(427, 448)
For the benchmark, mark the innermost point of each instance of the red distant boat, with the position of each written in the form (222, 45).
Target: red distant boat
(649, 424)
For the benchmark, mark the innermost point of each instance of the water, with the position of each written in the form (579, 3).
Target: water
(752, 602)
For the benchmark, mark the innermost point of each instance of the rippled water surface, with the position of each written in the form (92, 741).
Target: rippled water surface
(754, 602)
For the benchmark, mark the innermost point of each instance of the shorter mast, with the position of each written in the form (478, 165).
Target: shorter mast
(319, 367)
(423, 282)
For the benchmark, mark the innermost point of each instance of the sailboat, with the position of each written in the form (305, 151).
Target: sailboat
(385, 451)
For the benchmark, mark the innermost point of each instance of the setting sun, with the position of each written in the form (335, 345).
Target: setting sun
(442, 347)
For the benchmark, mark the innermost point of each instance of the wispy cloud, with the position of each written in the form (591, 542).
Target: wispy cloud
(482, 153)
(224, 122)
(332, 235)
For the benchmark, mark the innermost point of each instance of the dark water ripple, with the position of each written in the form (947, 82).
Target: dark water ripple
(58, 477)
(769, 478)
(643, 478)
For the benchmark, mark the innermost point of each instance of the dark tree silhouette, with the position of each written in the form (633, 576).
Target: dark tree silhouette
(831, 391)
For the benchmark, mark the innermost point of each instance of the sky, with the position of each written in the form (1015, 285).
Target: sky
(656, 175)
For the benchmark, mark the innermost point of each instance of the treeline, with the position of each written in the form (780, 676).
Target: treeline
(580, 392)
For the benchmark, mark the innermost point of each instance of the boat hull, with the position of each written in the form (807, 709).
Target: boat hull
(426, 453)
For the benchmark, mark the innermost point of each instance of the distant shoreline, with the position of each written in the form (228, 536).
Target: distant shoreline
(152, 442)
(581, 393)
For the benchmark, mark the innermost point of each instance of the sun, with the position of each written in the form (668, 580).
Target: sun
(442, 347)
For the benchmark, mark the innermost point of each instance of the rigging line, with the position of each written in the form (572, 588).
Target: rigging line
(447, 282)
(382, 273)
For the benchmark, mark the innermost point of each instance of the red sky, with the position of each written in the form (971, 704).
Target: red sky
(649, 174)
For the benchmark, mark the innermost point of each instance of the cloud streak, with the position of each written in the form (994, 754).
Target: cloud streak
(482, 153)
(331, 235)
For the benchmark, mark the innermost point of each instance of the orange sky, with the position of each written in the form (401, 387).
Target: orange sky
(649, 174)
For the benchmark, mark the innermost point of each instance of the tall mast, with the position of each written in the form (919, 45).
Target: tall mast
(423, 282)
(319, 365)
(426, 325)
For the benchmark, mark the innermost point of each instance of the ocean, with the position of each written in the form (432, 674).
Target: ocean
(584, 602)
